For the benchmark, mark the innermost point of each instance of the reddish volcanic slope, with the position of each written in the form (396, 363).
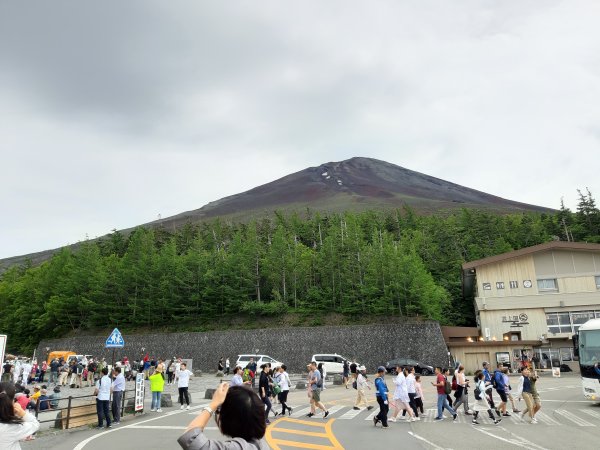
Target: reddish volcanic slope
(353, 184)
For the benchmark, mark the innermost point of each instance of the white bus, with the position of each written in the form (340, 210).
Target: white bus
(587, 345)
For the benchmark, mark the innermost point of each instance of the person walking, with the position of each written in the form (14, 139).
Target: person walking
(498, 381)
(401, 398)
(54, 366)
(443, 388)
(412, 392)
(26, 368)
(488, 381)
(381, 394)
(361, 385)
(264, 391)
(102, 393)
(118, 388)
(524, 391)
(157, 385)
(509, 390)
(7, 369)
(419, 397)
(481, 399)
(462, 394)
(346, 373)
(183, 379)
(227, 366)
(251, 366)
(283, 380)
(315, 384)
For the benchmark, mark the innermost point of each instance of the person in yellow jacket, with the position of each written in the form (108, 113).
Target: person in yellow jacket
(157, 384)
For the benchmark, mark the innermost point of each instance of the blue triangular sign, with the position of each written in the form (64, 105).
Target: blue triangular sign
(115, 340)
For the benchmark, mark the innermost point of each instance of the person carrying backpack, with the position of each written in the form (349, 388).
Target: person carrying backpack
(316, 384)
(481, 399)
(500, 386)
(442, 401)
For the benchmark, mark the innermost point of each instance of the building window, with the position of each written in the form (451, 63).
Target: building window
(597, 281)
(548, 284)
(558, 322)
(579, 318)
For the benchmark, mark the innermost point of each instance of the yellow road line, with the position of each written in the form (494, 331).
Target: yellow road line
(276, 444)
(311, 423)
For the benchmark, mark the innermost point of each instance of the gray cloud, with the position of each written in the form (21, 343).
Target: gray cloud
(114, 112)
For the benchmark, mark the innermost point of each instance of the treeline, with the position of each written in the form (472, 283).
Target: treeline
(371, 263)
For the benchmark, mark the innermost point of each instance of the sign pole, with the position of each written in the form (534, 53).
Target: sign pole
(113, 359)
(3, 339)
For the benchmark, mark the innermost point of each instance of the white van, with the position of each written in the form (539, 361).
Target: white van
(332, 362)
(243, 361)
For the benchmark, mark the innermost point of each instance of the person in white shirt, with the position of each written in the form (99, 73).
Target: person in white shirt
(15, 423)
(26, 372)
(118, 387)
(401, 398)
(227, 366)
(283, 380)
(361, 384)
(102, 393)
(183, 379)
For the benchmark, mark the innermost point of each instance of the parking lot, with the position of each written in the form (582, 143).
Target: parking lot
(566, 421)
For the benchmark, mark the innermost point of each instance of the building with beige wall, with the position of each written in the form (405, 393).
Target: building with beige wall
(534, 299)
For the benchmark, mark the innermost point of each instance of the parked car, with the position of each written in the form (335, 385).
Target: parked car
(243, 361)
(333, 362)
(421, 368)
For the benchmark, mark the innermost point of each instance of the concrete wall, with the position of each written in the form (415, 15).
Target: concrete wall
(371, 345)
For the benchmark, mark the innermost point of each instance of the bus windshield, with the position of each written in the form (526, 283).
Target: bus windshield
(589, 347)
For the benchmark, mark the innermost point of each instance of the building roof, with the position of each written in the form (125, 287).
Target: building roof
(553, 245)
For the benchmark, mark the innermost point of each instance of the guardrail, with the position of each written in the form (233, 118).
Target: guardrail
(75, 404)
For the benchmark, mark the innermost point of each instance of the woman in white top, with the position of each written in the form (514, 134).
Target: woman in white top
(183, 379)
(462, 396)
(481, 403)
(412, 391)
(283, 380)
(401, 398)
(15, 423)
(361, 384)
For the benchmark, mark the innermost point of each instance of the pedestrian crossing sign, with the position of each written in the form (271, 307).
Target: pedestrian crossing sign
(115, 340)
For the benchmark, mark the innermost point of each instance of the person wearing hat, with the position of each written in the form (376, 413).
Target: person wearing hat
(381, 394)
(361, 384)
(36, 393)
(157, 385)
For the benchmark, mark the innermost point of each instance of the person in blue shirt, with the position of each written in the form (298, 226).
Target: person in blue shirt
(381, 393)
(501, 390)
(487, 379)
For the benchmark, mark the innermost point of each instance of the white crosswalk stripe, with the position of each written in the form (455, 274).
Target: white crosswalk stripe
(350, 414)
(373, 414)
(301, 412)
(545, 418)
(335, 409)
(558, 417)
(573, 418)
(589, 412)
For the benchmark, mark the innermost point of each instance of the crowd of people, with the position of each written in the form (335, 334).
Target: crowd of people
(475, 396)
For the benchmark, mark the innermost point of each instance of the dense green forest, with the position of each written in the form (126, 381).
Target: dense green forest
(372, 263)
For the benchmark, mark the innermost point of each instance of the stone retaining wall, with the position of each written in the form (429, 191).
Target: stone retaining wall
(371, 345)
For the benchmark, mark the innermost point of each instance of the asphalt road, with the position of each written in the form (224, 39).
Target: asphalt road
(566, 421)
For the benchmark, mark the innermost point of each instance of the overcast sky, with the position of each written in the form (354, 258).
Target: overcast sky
(112, 112)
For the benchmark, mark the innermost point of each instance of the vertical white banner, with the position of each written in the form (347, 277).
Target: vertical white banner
(3, 339)
(139, 392)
